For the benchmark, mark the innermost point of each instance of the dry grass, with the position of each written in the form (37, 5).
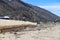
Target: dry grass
(45, 25)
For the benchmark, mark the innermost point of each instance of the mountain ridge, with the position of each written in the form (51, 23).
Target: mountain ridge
(17, 9)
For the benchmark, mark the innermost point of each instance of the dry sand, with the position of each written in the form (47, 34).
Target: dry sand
(14, 23)
(50, 33)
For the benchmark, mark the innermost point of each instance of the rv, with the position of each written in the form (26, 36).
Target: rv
(4, 17)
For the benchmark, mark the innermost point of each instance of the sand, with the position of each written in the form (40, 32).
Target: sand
(52, 33)
(14, 23)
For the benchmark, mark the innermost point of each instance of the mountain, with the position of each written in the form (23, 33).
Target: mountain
(19, 10)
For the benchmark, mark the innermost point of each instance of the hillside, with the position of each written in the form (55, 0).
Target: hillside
(19, 10)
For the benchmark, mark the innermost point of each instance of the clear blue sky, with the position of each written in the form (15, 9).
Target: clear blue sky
(51, 5)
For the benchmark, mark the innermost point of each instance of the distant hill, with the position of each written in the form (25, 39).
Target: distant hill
(19, 10)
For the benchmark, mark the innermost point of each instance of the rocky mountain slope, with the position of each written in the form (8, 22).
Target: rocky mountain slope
(19, 10)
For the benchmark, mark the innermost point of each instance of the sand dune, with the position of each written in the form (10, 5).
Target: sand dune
(14, 23)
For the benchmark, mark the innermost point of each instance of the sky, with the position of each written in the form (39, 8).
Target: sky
(50, 5)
